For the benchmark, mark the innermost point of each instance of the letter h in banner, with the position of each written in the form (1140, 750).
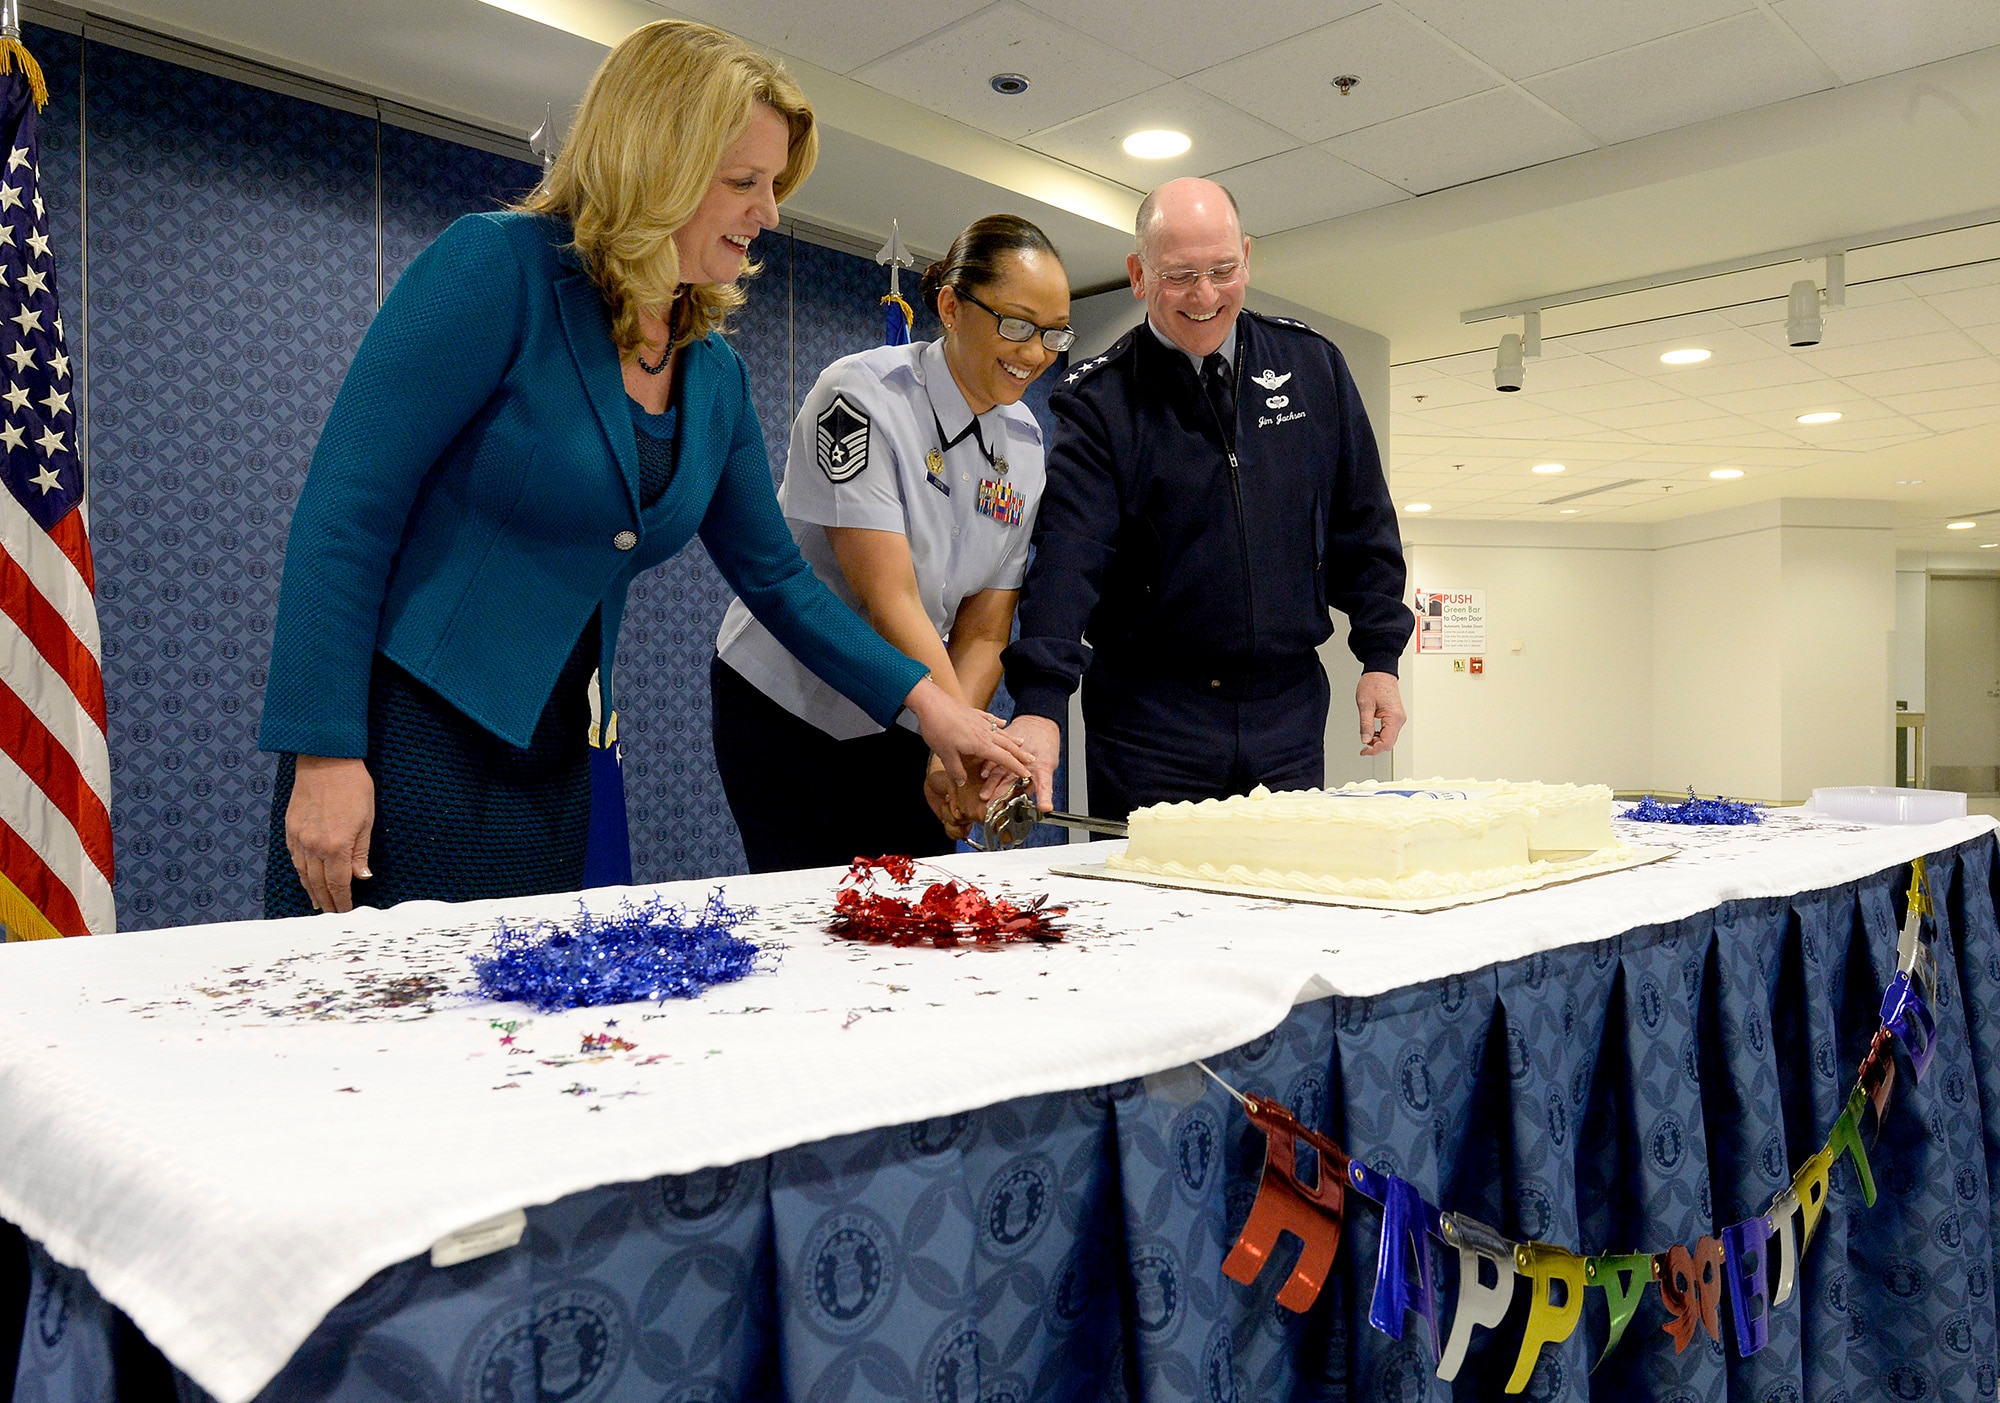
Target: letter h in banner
(1311, 1212)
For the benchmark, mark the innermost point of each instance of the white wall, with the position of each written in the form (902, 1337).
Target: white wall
(1744, 652)
(1575, 703)
(1912, 592)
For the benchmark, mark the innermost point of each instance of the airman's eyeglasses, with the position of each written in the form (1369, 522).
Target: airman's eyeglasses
(1056, 338)
(1184, 279)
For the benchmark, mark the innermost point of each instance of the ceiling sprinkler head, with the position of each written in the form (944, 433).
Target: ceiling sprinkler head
(1347, 83)
(1009, 84)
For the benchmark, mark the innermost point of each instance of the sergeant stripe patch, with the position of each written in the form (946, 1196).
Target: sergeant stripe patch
(842, 440)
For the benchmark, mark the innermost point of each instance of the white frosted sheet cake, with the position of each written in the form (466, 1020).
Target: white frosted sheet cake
(1379, 840)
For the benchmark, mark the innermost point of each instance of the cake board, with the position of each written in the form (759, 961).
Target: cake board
(1559, 874)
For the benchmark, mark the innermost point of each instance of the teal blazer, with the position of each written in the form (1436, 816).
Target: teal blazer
(478, 474)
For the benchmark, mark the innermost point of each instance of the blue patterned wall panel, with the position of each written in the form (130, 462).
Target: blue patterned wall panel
(680, 821)
(232, 273)
(428, 182)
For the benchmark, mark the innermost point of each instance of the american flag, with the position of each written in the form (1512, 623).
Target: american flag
(55, 771)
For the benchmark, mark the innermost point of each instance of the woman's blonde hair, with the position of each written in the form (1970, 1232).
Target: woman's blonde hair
(647, 141)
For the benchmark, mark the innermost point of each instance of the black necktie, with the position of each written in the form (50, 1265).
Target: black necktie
(1217, 383)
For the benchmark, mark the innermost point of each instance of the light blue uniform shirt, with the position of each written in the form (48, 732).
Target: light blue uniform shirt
(868, 450)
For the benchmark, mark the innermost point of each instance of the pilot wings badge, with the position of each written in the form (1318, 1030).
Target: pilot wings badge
(1270, 379)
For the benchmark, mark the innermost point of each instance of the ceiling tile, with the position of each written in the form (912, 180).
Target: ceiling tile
(1523, 40)
(1484, 415)
(1983, 373)
(1302, 186)
(1223, 137)
(1678, 410)
(1972, 306)
(1181, 36)
(1987, 336)
(1679, 331)
(1557, 370)
(1726, 345)
(1818, 393)
(1924, 402)
(1950, 421)
(1069, 74)
(1866, 38)
(1403, 68)
(1613, 394)
(1986, 274)
(1730, 66)
(1882, 321)
(1486, 134)
(1896, 354)
(1713, 379)
(837, 34)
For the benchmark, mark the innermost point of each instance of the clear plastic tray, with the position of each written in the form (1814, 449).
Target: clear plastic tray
(1874, 803)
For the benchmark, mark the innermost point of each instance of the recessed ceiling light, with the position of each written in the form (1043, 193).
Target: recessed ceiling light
(1156, 145)
(1416, 506)
(1569, 511)
(1549, 469)
(1725, 474)
(1909, 482)
(1821, 416)
(1008, 84)
(1692, 355)
(1960, 525)
(1991, 545)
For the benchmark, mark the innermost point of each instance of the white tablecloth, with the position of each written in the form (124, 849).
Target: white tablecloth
(231, 1127)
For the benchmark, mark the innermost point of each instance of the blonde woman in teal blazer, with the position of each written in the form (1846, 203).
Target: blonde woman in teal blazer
(543, 408)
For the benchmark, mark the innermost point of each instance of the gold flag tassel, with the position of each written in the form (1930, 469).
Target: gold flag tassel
(909, 316)
(13, 51)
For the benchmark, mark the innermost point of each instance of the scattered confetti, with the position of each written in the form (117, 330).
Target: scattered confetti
(652, 952)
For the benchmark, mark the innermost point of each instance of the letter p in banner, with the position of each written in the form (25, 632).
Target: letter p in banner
(1479, 1247)
(1554, 1307)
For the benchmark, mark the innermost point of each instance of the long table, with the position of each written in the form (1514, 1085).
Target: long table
(993, 1174)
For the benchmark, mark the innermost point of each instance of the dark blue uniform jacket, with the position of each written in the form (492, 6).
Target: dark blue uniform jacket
(1179, 548)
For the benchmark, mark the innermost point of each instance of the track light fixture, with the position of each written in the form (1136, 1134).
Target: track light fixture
(1508, 372)
(1802, 317)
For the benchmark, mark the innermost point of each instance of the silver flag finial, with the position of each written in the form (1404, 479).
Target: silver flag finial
(538, 139)
(896, 256)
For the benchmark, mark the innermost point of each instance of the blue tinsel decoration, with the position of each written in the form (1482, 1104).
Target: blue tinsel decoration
(1693, 810)
(645, 953)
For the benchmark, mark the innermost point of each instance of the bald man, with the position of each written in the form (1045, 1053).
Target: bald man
(1214, 490)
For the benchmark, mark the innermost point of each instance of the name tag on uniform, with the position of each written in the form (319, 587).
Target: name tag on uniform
(999, 500)
(934, 469)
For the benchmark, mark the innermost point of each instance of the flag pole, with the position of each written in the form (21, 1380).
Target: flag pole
(898, 317)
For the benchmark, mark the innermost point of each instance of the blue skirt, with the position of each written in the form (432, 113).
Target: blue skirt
(460, 815)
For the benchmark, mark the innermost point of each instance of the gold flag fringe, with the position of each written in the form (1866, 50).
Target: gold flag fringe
(13, 51)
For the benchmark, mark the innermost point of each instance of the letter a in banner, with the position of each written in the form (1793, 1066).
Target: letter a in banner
(1846, 1137)
(1809, 1188)
(1554, 1306)
(1407, 1225)
(1310, 1212)
(1623, 1279)
(1480, 1248)
(1744, 1255)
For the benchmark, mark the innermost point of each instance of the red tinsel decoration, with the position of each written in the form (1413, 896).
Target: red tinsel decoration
(948, 912)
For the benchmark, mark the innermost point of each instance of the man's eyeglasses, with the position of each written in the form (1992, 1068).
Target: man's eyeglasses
(1056, 338)
(1184, 279)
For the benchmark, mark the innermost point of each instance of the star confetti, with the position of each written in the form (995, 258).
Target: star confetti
(948, 912)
